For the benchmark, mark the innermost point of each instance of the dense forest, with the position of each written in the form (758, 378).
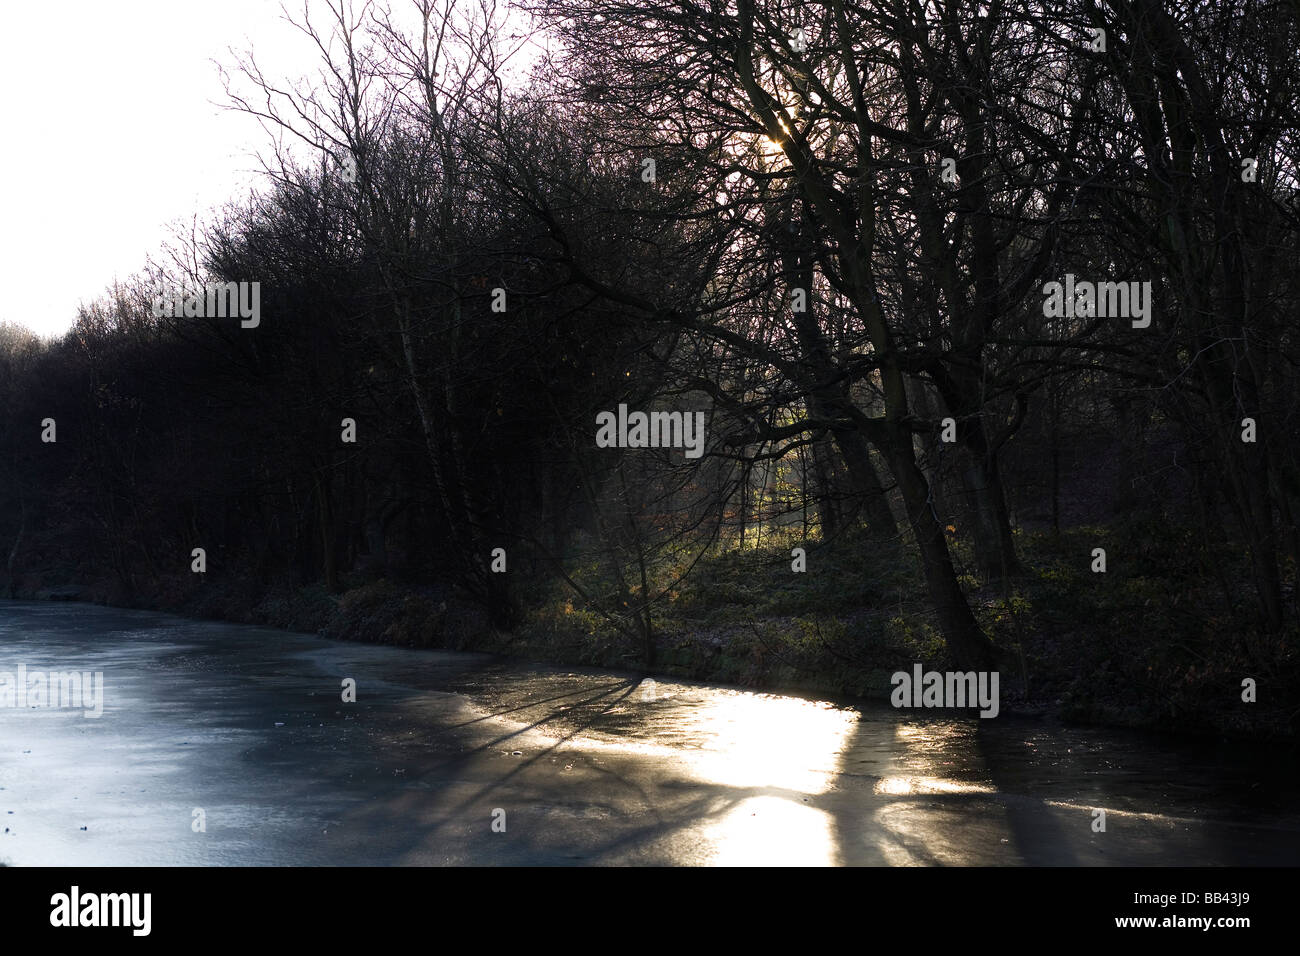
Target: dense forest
(989, 313)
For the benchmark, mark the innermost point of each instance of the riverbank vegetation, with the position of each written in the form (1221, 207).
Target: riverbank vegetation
(838, 248)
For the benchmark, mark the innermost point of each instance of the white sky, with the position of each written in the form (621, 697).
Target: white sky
(113, 131)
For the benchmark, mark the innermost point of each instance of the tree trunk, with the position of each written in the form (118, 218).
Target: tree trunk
(13, 553)
(969, 646)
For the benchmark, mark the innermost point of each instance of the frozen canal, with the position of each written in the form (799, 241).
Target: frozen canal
(244, 730)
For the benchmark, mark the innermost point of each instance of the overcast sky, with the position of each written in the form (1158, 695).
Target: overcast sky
(114, 131)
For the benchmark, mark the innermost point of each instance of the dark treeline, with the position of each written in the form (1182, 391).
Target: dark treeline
(831, 227)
